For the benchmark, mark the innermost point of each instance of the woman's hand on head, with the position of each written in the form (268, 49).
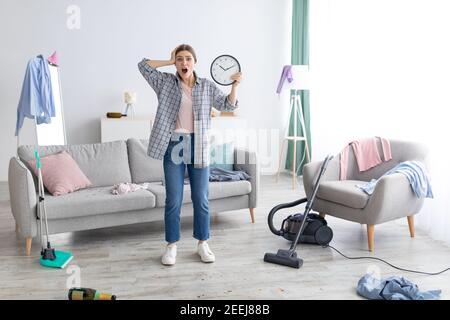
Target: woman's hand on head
(172, 55)
(237, 77)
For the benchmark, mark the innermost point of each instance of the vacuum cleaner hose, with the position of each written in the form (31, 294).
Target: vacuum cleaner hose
(279, 207)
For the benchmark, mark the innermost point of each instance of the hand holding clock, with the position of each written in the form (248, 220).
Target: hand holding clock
(237, 78)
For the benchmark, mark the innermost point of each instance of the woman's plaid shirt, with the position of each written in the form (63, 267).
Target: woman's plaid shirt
(205, 95)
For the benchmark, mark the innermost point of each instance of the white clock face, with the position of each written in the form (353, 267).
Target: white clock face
(223, 67)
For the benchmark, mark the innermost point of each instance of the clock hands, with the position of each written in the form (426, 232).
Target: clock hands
(226, 68)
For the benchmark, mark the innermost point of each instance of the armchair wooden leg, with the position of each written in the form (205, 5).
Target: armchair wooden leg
(17, 228)
(322, 215)
(252, 214)
(411, 226)
(371, 236)
(28, 245)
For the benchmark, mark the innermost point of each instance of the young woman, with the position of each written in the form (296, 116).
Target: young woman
(179, 137)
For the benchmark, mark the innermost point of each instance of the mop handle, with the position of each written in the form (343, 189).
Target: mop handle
(41, 196)
(38, 159)
(39, 205)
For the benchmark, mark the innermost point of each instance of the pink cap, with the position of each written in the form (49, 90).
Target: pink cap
(53, 59)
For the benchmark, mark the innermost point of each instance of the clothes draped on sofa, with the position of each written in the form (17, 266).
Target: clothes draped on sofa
(127, 187)
(219, 174)
(366, 154)
(417, 176)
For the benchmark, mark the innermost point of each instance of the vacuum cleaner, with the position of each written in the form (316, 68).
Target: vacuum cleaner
(305, 228)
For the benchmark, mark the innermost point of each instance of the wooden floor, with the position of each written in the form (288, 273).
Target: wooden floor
(126, 260)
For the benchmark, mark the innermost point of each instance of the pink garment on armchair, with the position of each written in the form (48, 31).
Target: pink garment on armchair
(366, 154)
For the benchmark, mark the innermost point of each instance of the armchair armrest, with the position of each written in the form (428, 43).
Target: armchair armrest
(246, 160)
(22, 194)
(392, 198)
(311, 170)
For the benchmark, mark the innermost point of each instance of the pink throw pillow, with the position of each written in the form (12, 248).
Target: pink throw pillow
(61, 174)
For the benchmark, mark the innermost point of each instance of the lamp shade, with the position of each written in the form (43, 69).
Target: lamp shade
(130, 97)
(300, 78)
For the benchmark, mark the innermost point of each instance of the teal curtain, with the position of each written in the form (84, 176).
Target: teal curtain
(299, 55)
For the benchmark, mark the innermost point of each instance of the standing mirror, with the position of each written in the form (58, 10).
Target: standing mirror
(53, 133)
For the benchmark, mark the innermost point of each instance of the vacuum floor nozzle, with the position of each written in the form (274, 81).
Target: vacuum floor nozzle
(285, 258)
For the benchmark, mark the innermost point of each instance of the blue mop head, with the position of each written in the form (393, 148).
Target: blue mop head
(61, 260)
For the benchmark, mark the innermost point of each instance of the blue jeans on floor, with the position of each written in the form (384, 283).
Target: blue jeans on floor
(179, 154)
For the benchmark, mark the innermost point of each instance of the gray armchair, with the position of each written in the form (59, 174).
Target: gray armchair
(392, 198)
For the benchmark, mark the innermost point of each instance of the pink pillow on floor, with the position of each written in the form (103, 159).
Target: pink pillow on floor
(61, 174)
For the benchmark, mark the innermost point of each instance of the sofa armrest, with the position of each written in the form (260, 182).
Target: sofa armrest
(311, 170)
(391, 199)
(22, 195)
(246, 160)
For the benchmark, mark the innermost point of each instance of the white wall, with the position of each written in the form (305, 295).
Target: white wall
(382, 68)
(98, 61)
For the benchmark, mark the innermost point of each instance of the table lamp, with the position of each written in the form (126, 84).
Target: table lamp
(130, 100)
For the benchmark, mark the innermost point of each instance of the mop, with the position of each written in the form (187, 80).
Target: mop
(49, 256)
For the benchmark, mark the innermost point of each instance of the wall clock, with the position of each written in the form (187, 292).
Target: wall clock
(223, 67)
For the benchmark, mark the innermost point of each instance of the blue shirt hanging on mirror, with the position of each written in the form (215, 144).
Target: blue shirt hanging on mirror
(37, 96)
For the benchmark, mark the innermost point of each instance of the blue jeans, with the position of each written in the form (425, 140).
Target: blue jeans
(180, 154)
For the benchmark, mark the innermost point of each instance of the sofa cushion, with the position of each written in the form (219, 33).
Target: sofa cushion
(143, 168)
(95, 201)
(104, 164)
(60, 173)
(344, 192)
(217, 190)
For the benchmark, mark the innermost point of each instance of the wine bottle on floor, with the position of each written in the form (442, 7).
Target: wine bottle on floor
(89, 294)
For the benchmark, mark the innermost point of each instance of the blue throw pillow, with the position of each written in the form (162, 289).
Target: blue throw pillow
(222, 156)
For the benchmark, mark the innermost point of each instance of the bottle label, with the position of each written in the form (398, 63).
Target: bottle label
(77, 295)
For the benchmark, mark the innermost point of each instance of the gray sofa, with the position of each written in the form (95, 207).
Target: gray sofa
(106, 164)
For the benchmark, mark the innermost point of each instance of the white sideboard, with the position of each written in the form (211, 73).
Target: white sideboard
(123, 128)
(224, 128)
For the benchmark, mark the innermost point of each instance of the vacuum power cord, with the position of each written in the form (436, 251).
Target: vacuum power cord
(375, 258)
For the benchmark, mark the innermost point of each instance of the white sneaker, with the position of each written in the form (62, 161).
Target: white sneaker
(205, 252)
(170, 256)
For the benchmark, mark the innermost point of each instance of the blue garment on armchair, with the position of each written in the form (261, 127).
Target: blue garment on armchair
(417, 176)
(36, 98)
(393, 288)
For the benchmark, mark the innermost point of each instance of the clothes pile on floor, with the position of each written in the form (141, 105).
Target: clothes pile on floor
(393, 288)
